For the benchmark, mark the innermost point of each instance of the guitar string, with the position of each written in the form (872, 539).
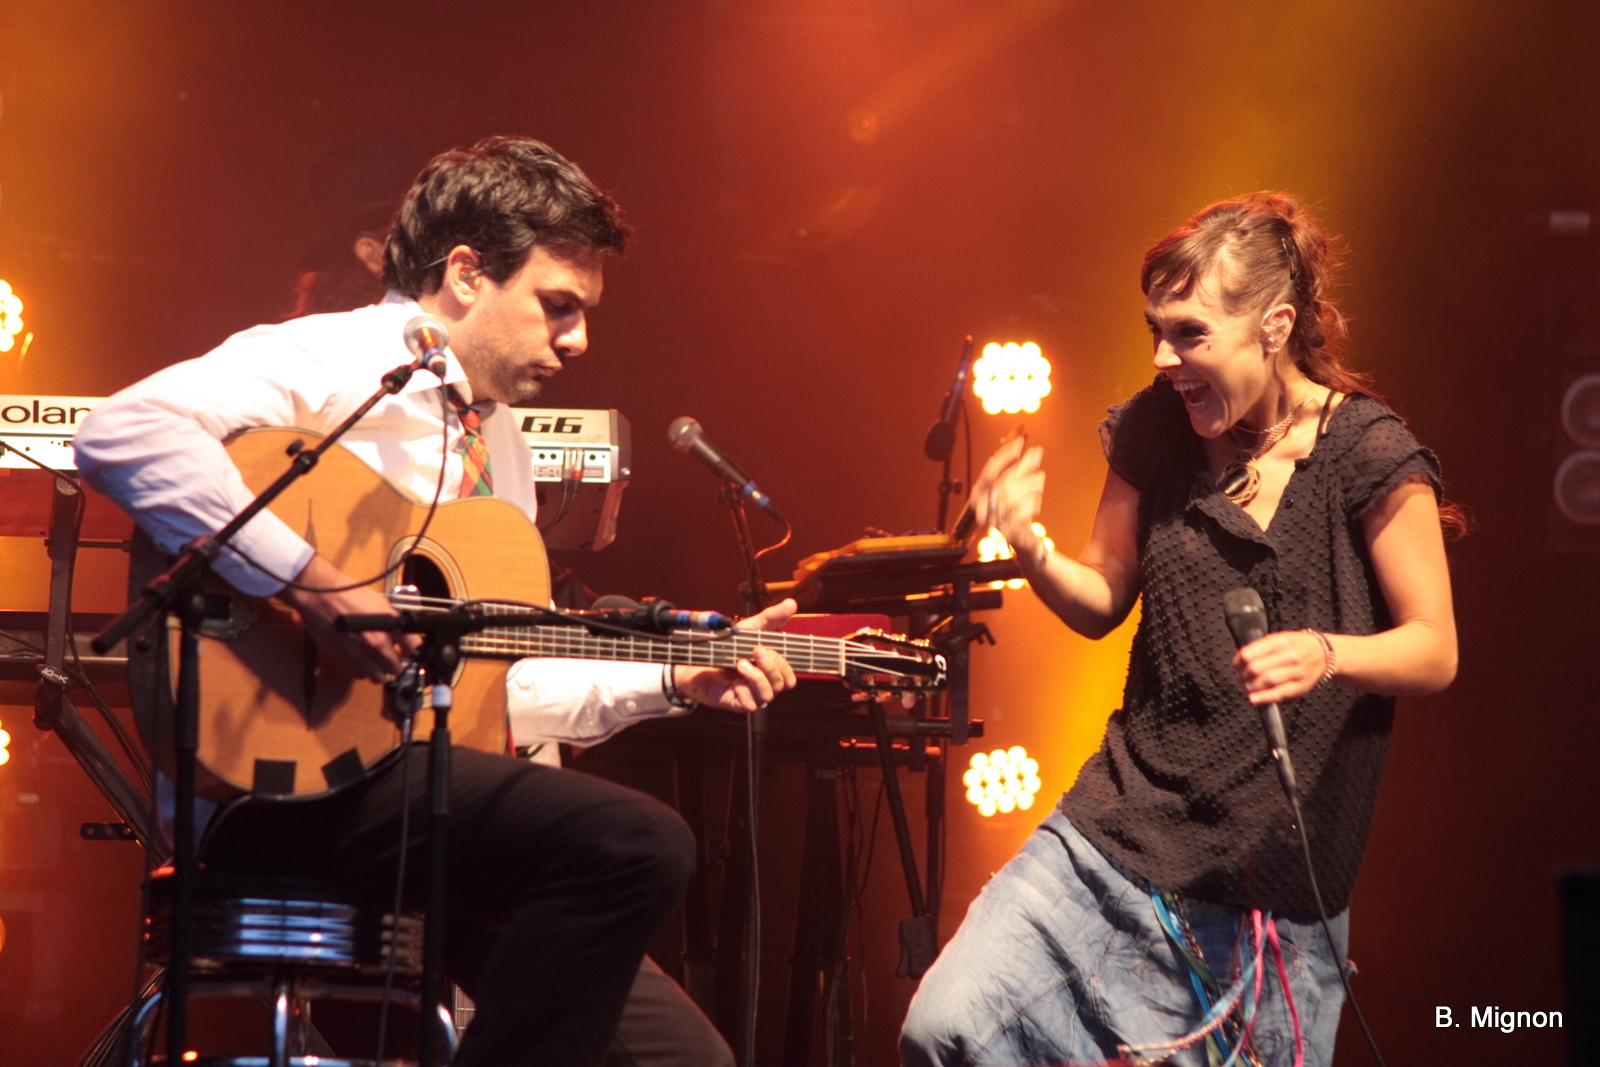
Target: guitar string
(693, 651)
(809, 653)
(712, 653)
(815, 649)
(832, 658)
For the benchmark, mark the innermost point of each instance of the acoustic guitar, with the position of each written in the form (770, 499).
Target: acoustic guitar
(278, 719)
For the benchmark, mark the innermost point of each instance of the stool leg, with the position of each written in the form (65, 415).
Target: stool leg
(299, 1024)
(282, 987)
(447, 1028)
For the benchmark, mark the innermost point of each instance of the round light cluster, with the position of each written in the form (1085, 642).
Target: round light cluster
(1011, 377)
(994, 546)
(5, 743)
(1002, 781)
(10, 317)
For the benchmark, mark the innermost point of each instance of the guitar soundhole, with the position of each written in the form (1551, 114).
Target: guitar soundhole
(425, 574)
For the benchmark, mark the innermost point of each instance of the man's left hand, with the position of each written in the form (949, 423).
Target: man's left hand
(751, 685)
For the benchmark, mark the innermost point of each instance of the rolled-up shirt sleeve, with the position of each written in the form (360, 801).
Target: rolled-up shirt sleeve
(581, 702)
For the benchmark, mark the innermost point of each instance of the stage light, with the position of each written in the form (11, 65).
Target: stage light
(1011, 377)
(5, 746)
(1002, 781)
(993, 546)
(10, 317)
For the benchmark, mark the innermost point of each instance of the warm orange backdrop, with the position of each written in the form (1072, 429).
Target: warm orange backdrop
(802, 289)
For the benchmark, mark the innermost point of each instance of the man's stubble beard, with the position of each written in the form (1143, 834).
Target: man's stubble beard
(524, 393)
(510, 384)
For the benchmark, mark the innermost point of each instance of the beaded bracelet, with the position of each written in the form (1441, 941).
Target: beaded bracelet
(1328, 655)
(669, 686)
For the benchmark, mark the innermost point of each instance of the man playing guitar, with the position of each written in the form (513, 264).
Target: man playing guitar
(556, 880)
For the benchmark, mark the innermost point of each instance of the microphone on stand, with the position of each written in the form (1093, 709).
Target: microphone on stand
(687, 436)
(655, 616)
(427, 338)
(1247, 619)
(941, 439)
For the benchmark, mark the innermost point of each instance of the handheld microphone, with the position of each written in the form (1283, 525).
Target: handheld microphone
(1247, 620)
(941, 439)
(656, 616)
(427, 338)
(687, 436)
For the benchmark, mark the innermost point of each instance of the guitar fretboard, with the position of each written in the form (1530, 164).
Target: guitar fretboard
(806, 653)
(809, 655)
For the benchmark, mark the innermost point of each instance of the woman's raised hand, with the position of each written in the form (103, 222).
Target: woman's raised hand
(1010, 491)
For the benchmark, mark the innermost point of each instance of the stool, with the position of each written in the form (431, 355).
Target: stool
(287, 941)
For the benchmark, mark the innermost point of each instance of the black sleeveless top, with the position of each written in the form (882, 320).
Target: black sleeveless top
(1182, 790)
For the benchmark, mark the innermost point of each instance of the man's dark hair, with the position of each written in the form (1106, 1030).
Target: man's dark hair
(501, 197)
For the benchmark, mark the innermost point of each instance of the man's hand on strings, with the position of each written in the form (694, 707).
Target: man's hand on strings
(371, 654)
(752, 683)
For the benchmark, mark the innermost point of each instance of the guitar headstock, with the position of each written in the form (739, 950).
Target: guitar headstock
(876, 662)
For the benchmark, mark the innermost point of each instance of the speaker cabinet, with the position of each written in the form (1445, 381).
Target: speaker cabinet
(1572, 344)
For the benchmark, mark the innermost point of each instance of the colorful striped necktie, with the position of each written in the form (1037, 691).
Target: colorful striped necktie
(477, 478)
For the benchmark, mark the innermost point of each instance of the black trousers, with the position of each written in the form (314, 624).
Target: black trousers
(662, 1027)
(555, 883)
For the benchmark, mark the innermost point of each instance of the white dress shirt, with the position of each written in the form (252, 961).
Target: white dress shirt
(156, 449)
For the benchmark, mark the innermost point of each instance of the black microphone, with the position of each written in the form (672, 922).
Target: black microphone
(941, 439)
(1247, 619)
(656, 616)
(380, 623)
(687, 436)
(427, 338)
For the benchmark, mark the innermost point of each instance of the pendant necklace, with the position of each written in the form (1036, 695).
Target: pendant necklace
(1240, 480)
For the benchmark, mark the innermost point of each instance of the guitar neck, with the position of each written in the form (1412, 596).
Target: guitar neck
(806, 654)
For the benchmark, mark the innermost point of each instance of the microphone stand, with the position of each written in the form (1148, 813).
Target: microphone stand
(177, 590)
(754, 590)
(946, 487)
(440, 653)
(754, 593)
(940, 443)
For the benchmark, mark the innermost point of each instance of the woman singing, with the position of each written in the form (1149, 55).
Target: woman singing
(1160, 912)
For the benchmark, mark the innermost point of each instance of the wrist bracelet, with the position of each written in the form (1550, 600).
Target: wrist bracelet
(669, 686)
(1328, 654)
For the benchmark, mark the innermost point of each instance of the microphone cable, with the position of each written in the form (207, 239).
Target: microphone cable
(416, 541)
(386, 993)
(1327, 927)
(788, 532)
(1246, 616)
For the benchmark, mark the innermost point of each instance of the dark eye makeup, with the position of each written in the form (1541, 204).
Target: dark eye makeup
(1188, 331)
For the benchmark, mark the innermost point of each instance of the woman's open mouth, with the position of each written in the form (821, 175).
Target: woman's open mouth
(1194, 393)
